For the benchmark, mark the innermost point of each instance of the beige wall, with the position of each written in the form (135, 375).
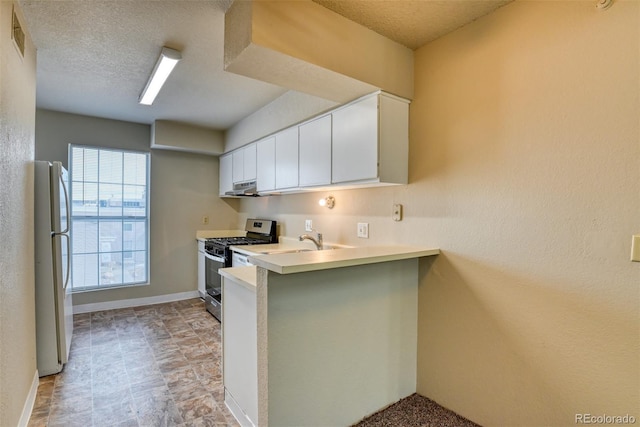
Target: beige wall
(524, 170)
(527, 124)
(184, 188)
(17, 299)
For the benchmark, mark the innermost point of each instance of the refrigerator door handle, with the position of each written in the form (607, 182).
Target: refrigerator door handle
(66, 279)
(66, 200)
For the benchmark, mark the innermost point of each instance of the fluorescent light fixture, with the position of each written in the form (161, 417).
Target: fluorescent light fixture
(167, 61)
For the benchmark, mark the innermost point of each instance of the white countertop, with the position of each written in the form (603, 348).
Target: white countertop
(285, 244)
(299, 262)
(246, 276)
(271, 248)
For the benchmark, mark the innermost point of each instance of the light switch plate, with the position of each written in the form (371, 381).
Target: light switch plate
(363, 230)
(308, 225)
(635, 247)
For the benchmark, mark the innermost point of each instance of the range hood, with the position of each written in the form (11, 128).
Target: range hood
(247, 189)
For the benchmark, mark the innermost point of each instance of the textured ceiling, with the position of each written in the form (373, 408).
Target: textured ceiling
(412, 23)
(94, 57)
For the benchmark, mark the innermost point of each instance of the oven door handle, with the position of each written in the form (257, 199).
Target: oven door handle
(213, 258)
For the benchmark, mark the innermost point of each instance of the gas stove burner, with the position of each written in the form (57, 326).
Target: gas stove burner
(230, 241)
(259, 232)
(223, 242)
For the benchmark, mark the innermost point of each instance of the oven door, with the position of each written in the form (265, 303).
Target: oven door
(213, 285)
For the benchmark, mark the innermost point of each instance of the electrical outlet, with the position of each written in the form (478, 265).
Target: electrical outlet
(205, 219)
(635, 248)
(363, 230)
(308, 225)
(397, 212)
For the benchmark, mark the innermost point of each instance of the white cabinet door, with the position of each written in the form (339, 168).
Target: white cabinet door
(249, 162)
(226, 173)
(266, 164)
(287, 158)
(355, 142)
(238, 165)
(244, 163)
(240, 347)
(315, 152)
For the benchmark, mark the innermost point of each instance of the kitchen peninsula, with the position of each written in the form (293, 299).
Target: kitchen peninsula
(320, 337)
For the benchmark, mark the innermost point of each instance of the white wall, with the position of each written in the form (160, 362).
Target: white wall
(17, 299)
(184, 188)
(524, 170)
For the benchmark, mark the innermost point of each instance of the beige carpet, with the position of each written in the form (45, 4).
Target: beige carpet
(414, 411)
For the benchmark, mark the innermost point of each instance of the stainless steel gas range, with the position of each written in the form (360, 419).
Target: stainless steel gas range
(218, 255)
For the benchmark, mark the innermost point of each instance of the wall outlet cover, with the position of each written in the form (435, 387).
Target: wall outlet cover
(308, 225)
(397, 212)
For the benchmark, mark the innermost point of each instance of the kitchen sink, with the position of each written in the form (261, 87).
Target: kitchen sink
(290, 251)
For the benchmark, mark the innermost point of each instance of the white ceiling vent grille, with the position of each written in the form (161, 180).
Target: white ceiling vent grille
(17, 34)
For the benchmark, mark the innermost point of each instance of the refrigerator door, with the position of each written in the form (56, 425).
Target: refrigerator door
(54, 321)
(48, 355)
(60, 220)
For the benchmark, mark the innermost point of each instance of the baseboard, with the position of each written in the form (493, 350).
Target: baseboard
(134, 302)
(31, 400)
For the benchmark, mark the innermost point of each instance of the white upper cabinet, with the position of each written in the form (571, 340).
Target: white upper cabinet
(244, 163)
(287, 159)
(315, 152)
(250, 165)
(238, 165)
(370, 141)
(226, 173)
(363, 143)
(266, 164)
(355, 142)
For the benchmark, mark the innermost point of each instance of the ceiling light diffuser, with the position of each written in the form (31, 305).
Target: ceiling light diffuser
(167, 61)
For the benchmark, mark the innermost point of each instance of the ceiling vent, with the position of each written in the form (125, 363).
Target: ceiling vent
(17, 34)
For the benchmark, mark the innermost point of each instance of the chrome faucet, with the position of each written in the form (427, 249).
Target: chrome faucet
(318, 241)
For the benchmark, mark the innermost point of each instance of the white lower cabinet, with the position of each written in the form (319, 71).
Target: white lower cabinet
(240, 351)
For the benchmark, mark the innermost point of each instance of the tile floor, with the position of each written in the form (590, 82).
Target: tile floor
(155, 365)
(160, 365)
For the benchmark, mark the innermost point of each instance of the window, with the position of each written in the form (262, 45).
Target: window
(109, 217)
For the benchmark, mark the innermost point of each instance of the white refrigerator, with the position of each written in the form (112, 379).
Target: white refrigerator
(54, 309)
